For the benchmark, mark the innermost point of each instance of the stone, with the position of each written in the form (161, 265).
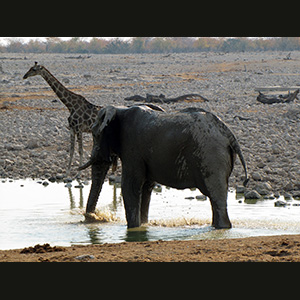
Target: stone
(59, 176)
(251, 194)
(280, 203)
(32, 144)
(240, 189)
(52, 179)
(276, 149)
(85, 257)
(263, 188)
(256, 176)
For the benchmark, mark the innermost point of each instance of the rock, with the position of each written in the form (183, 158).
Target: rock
(288, 187)
(13, 147)
(276, 149)
(67, 180)
(296, 195)
(240, 189)
(263, 188)
(287, 196)
(87, 76)
(66, 80)
(85, 257)
(201, 197)
(251, 194)
(261, 165)
(45, 183)
(9, 168)
(256, 176)
(32, 144)
(52, 179)
(59, 176)
(280, 203)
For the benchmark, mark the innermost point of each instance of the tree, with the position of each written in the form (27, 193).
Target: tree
(97, 45)
(35, 46)
(15, 45)
(234, 45)
(54, 45)
(159, 45)
(139, 44)
(117, 46)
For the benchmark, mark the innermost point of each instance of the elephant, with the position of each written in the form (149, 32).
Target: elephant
(190, 148)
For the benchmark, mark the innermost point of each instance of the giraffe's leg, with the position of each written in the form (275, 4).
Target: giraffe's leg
(72, 145)
(80, 148)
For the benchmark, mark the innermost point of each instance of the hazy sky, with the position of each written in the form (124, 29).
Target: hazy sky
(4, 40)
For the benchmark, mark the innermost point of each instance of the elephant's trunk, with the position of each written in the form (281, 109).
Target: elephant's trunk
(92, 160)
(99, 171)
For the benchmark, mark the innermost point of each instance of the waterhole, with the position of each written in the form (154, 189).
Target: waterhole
(32, 213)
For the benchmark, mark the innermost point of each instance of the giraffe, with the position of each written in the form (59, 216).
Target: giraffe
(82, 113)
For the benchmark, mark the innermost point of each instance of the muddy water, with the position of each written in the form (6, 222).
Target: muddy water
(31, 213)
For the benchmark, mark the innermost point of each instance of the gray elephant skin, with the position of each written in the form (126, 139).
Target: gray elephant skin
(191, 148)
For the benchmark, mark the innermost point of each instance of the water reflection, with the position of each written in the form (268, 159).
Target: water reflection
(94, 235)
(137, 234)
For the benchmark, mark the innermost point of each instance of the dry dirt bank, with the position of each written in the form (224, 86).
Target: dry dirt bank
(285, 248)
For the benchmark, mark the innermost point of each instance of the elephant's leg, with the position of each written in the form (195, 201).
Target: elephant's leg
(218, 188)
(220, 217)
(146, 196)
(132, 196)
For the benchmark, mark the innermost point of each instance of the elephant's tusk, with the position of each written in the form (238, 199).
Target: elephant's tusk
(86, 165)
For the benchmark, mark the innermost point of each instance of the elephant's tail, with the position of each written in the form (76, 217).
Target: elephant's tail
(237, 149)
(234, 145)
(240, 154)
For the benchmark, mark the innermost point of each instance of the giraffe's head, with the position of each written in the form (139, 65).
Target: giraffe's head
(33, 71)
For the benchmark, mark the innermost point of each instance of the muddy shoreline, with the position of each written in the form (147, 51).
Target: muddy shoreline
(285, 248)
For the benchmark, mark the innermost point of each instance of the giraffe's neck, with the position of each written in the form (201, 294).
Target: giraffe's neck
(68, 98)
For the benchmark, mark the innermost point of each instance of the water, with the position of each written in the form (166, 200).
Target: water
(31, 213)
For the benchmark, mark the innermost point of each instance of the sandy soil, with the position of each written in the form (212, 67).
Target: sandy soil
(285, 248)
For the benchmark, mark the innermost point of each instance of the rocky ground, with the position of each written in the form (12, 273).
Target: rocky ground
(34, 139)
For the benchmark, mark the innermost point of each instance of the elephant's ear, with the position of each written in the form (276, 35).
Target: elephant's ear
(109, 114)
(107, 132)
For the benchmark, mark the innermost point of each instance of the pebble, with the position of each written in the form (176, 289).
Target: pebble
(85, 257)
